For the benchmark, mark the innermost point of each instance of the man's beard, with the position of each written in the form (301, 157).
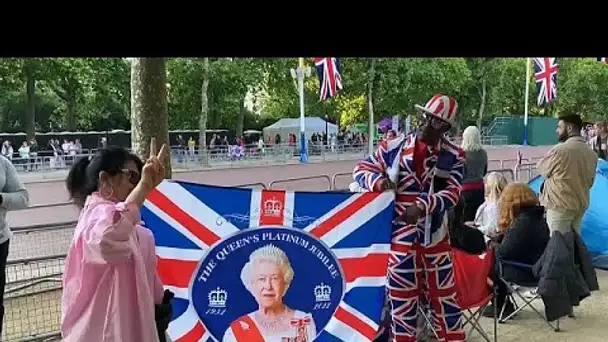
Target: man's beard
(562, 137)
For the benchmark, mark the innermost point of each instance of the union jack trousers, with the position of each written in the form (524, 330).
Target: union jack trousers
(418, 269)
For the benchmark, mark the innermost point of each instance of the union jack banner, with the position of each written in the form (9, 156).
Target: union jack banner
(216, 246)
(330, 80)
(545, 73)
(602, 59)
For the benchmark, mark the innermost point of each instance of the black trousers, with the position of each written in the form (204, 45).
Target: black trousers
(3, 258)
(472, 200)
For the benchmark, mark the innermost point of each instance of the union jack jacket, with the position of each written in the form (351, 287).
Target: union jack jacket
(437, 191)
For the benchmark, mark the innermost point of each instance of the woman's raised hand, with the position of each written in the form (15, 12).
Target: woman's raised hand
(153, 171)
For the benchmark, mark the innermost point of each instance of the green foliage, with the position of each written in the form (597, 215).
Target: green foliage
(250, 93)
(582, 83)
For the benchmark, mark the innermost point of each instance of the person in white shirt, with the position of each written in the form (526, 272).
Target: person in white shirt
(24, 155)
(486, 218)
(65, 147)
(261, 146)
(7, 150)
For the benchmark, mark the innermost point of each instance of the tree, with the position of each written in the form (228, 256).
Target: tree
(69, 79)
(581, 88)
(204, 113)
(370, 103)
(149, 106)
(29, 70)
(483, 76)
(404, 82)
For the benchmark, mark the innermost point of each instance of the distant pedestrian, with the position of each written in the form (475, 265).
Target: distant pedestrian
(475, 168)
(599, 143)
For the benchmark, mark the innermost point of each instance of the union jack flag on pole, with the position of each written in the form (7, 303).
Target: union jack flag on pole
(229, 253)
(330, 80)
(545, 73)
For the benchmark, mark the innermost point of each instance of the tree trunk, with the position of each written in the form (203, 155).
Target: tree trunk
(30, 107)
(482, 104)
(370, 104)
(149, 106)
(240, 121)
(202, 121)
(71, 110)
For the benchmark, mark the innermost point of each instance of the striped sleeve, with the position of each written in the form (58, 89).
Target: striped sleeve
(370, 171)
(446, 198)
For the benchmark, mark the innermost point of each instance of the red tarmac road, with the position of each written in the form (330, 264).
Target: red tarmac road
(54, 191)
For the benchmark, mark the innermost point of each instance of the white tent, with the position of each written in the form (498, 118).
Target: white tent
(285, 126)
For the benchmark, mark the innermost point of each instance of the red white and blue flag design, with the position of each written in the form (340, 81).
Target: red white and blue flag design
(545, 73)
(330, 79)
(190, 220)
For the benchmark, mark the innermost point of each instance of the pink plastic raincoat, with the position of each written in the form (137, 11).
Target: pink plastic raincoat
(110, 283)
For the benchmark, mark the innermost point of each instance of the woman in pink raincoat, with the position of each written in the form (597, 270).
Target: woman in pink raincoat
(110, 286)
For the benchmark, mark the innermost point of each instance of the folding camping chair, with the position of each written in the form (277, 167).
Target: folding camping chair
(475, 291)
(513, 289)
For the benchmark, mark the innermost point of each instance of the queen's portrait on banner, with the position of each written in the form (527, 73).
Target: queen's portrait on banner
(267, 276)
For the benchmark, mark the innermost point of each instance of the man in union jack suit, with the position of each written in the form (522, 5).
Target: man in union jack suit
(425, 170)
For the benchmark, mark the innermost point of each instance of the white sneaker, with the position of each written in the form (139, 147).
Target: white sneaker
(531, 293)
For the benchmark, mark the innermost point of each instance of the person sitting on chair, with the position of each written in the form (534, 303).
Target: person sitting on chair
(524, 234)
(486, 218)
(464, 236)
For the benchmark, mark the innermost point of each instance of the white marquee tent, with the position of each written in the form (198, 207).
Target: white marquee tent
(285, 126)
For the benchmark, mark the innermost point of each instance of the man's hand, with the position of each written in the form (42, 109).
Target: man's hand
(412, 214)
(385, 184)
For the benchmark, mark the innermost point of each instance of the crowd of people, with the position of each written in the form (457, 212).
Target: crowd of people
(254, 145)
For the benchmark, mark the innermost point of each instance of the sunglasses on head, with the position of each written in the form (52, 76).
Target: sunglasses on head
(133, 176)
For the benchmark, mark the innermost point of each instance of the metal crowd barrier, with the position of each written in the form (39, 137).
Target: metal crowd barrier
(32, 298)
(251, 185)
(50, 205)
(335, 177)
(298, 179)
(529, 167)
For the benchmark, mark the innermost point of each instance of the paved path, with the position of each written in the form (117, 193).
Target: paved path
(589, 325)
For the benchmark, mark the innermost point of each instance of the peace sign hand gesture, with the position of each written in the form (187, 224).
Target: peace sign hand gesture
(153, 171)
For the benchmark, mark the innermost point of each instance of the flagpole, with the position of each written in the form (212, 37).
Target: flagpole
(526, 104)
(299, 73)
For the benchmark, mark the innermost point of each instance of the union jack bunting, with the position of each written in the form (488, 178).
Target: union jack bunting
(545, 73)
(330, 80)
(602, 59)
(334, 249)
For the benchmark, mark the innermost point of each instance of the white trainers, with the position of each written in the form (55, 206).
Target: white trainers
(531, 293)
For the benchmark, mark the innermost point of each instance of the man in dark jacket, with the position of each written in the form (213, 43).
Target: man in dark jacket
(566, 274)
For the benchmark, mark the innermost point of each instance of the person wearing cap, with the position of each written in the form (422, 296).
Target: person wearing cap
(425, 170)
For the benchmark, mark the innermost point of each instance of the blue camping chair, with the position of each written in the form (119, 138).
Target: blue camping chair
(512, 291)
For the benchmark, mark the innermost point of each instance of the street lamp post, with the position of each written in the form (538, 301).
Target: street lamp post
(299, 74)
(326, 130)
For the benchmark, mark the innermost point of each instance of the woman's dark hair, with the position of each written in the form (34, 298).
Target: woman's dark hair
(83, 178)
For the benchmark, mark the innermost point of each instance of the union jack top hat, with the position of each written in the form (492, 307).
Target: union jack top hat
(442, 107)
